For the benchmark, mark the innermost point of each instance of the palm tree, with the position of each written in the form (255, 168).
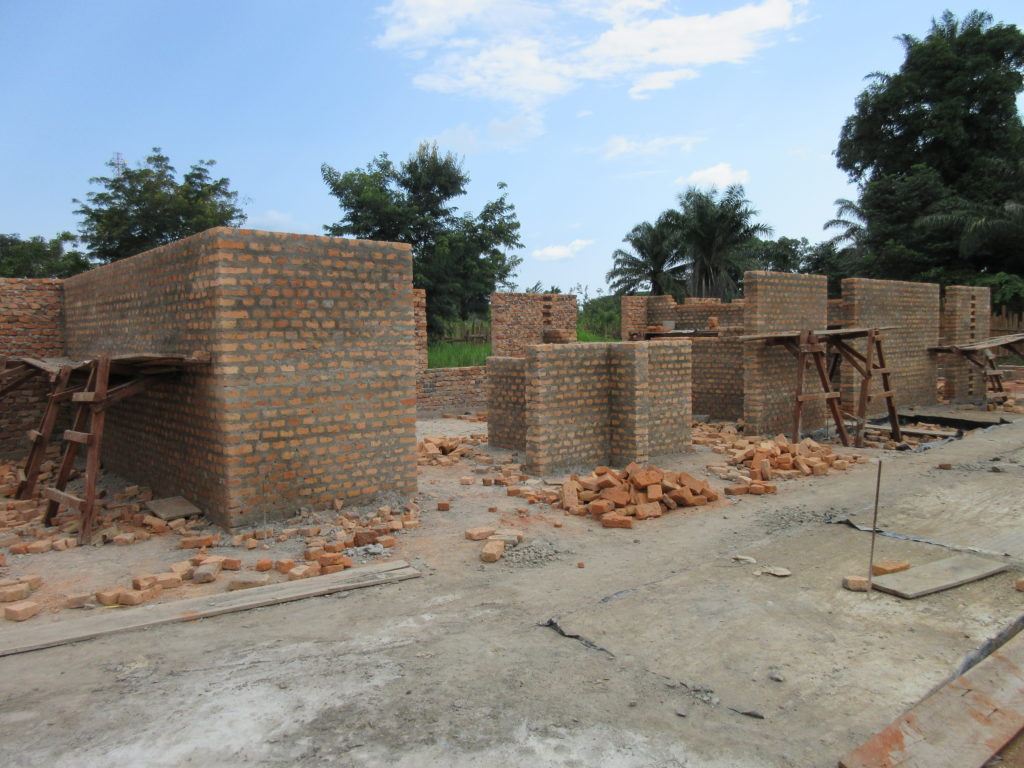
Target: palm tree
(713, 232)
(654, 264)
(851, 223)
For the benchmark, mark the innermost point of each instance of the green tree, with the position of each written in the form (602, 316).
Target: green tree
(786, 254)
(930, 140)
(39, 257)
(654, 263)
(459, 259)
(714, 232)
(144, 207)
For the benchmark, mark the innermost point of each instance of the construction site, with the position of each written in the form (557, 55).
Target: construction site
(241, 521)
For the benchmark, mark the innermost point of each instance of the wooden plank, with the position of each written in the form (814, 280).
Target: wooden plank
(62, 498)
(82, 438)
(937, 576)
(109, 621)
(813, 396)
(960, 725)
(173, 507)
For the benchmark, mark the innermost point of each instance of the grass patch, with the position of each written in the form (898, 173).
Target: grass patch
(582, 334)
(457, 354)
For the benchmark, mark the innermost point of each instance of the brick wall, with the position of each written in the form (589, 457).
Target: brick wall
(718, 377)
(31, 324)
(966, 317)
(452, 389)
(419, 298)
(506, 402)
(913, 310)
(567, 396)
(634, 315)
(518, 320)
(669, 407)
(578, 405)
(837, 313)
(777, 301)
(696, 313)
(311, 392)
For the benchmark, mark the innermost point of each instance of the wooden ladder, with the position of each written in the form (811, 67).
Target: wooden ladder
(40, 438)
(91, 413)
(811, 348)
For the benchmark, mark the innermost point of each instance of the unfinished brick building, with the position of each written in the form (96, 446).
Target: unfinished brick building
(310, 394)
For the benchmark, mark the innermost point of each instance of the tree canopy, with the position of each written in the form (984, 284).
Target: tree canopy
(39, 257)
(459, 259)
(141, 208)
(935, 146)
(653, 264)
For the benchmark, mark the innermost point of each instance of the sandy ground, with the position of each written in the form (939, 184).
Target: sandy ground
(669, 652)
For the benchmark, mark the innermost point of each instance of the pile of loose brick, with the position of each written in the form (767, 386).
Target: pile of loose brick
(753, 463)
(446, 451)
(617, 498)
(496, 541)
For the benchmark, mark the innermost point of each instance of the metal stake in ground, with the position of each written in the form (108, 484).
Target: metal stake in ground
(874, 525)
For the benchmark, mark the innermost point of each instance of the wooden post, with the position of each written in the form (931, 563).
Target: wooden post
(874, 528)
(27, 487)
(801, 364)
(67, 461)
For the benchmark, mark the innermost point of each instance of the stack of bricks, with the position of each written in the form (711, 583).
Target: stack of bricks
(966, 318)
(912, 309)
(310, 395)
(718, 376)
(775, 302)
(31, 325)
(585, 404)
(519, 320)
(506, 402)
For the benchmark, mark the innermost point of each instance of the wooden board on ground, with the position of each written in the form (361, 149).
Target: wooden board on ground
(937, 576)
(961, 725)
(173, 507)
(107, 621)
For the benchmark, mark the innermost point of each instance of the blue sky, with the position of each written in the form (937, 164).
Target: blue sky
(596, 113)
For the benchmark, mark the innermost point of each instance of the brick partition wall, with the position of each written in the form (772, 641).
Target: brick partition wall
(588, 404)
(452, 389)
(518, 320)
(506, 402)
(913, 310)
(31, 325)
(777, 301)
(692, 314)
(310, 395)
(966, 317)
(718, 377)
(419, 298)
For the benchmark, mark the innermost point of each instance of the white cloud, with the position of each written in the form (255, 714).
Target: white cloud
(584, 113)
(558, 252)
(526, 53)
(659, 81)
(623, 146)
(720, 175)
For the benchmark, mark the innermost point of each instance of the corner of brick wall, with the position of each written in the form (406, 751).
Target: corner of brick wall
(31, 325)
(310, 394)
(633, 310)
(670, 399)
(718, 377)
(518, 320)
(419, 298)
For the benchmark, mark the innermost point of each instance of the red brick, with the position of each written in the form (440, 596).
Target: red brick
(20, 611)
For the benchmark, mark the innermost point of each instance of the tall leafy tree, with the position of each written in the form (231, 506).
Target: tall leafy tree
(714, 231)
(141, 208)
(653, 264)
(459, 259)
(930, 139)
(39, 257)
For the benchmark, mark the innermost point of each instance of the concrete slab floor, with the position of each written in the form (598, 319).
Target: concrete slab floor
(459, 669)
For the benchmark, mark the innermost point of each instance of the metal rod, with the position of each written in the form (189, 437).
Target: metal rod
(874, 526)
